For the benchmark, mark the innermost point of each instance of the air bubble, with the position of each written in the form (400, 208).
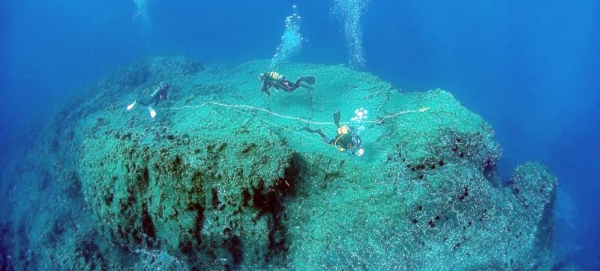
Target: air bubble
(291, 40)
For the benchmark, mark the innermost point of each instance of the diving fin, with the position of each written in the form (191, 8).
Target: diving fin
(336, 118)
(129, 107)
(306, 86)
(308, 79)
(152, 112)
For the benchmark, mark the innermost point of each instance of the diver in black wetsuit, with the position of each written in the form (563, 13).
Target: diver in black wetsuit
(159, 94)
(278, 81)
(346, 139)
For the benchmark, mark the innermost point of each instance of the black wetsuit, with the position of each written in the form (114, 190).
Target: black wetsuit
(278, 81)
(349, 141)
(281, 84)
(159, 94)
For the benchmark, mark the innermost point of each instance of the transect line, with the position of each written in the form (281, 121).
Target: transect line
(285, 128)
(378, 121)
(255, 108)
(272, 113)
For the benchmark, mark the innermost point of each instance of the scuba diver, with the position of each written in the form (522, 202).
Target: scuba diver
(347, 138)
(278, 81)
(159, 94)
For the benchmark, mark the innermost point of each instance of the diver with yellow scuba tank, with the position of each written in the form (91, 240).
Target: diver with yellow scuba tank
(277, 81)
(346, 139)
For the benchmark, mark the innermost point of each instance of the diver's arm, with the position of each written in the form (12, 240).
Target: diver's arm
(265, 88)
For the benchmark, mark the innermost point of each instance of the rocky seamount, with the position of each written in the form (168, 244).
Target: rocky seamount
(225, 177)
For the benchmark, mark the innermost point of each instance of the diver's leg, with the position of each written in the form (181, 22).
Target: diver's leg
(290, 86)
(143, 102)
(136, 102)
(320, 132)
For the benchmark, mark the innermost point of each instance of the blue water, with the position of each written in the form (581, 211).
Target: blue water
(530, 68)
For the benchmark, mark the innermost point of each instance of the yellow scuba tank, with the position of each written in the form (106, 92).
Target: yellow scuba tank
(275, 75)
(343, 130)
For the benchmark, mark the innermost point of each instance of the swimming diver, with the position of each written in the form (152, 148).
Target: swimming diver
(278, 81)
(159, 94)
(346, 139)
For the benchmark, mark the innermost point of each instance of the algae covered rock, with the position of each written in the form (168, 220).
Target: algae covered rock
(428, 198)
(535, 188)
(201, 193)
(227, 177)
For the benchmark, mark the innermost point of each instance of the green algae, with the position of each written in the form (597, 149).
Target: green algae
(224, 176)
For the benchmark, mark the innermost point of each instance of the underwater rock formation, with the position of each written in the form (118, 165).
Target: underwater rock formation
(199, 192)
(225, 177)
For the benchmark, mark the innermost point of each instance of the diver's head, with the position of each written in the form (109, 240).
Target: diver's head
(262, 76)
(164, 85)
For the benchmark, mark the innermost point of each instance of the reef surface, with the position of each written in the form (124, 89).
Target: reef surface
(225, 177)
